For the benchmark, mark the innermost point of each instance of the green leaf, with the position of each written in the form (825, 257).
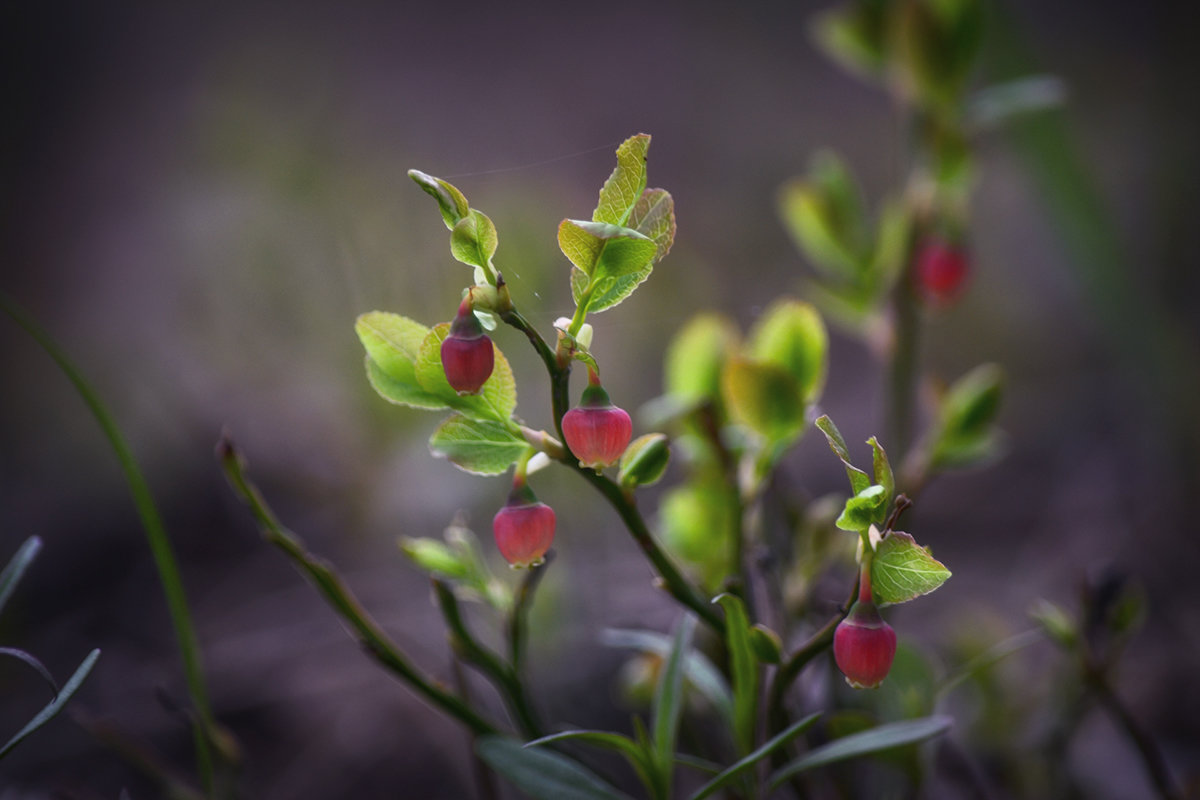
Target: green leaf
(393, 343)
(1057, 624)
(699, 671)
(34, 664)
(723, 779)
(883, 470)
(60, 701)
(450, 200)
(997, 104)
(892, 234)
(768, 647)
(963, 432)
(16, 567)
(937, 42)
(744, 669)
(434, 555)
(482, 447)
(497, 398)
(654, 216)
(865, 509)
(473, 241)
(884, 737)
(902, 570)
(764, 397)
(401, 392)
(625, 185)
(644, 460)
(696, 357)
(855, 35)
(542, 774)
(610, 261)
(698, 519)
(858, 478)
(639, 758)
(791, 335)
(668, 700)
(826, 218)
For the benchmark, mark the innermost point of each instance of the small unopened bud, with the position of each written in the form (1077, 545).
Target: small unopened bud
(644, 460)
(467, 354)
(940, 271)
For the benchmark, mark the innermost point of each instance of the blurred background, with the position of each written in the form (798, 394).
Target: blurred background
(197, 203)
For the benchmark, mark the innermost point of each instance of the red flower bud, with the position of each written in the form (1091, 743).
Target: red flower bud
(597, 431)
(864, 646)
(941, 271)
(467, 355)
(524, 528)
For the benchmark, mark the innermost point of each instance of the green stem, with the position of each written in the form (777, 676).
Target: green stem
(673, 580)
(502, 675)
(341, 599)
(520, 611)
(1151, 756)
(790, 669)
(902, 370)
(156, 536)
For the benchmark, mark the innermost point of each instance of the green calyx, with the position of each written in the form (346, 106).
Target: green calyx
(594, 396)
(521, 495)
(466, 325)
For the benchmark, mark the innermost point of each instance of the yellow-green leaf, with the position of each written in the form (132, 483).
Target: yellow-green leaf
(626, 183)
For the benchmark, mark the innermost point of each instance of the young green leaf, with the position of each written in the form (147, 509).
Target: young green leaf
(696, 357)
(668, 701)
(856, 36)
(1000, 103)
(744, 668)
(697, 520)
(875, 740)
(654, 216)
(764, 397)
(700, 673)
(450, 200)
(964, 430)
(16, 567)
(724, 778)
(497, 398)
(882, 469)
(644, 460)
(60, 701)
(393, 343)
(791, 335)
(610, 261)
(473, 241)
(479, 446)
(401, 392)
(542, 774)
(825, 216)
(902, 570)
(434, 555)
(866, 508)
(858, 478)
(626, 183)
